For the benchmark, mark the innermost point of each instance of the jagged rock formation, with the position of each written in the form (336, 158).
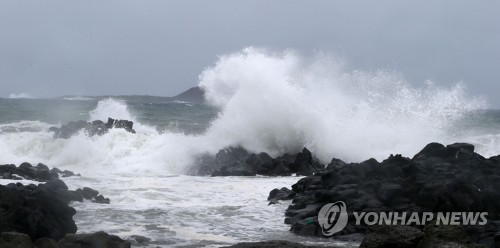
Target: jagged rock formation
(236, 161)
(96, 127)
(437, 179)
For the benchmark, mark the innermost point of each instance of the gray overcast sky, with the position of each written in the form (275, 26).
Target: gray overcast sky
(96, 47)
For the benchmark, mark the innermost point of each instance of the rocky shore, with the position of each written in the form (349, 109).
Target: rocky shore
(236, 161)
(452, 178)
(39, 215)
(439, 178)
(96, 127)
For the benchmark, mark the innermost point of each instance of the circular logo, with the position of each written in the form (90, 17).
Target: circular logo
(332, 218)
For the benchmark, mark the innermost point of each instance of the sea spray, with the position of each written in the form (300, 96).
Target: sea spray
(267, 102)
(279, 103)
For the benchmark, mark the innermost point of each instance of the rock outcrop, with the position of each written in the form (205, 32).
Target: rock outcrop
(437, 179)
(96, 127)
(236, 161)
(39, 211)
(271, 244)
(40, 172)
(88, 240)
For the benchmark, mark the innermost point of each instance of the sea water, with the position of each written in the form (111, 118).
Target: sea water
(264, 102)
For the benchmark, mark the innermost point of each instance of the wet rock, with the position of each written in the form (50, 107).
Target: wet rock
(271, 244)
(239, 162)
(96, 127)
(46, 243)
(92, 194)
(445, 236)
(335, 164)
(93, 240)
(36, 211)
(305, 164)
(442, 178)
(101, 199)
(15, 240)
(65, 173)
(282, 194)
(40, 172)
(139, 239)
(392, 236)
(87, 193)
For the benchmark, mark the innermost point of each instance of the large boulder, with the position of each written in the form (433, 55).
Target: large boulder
(36, 211)
(282, 194)
(40, 211)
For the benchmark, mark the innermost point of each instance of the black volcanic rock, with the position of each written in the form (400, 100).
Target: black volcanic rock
(40, 211)
(272, 244)
(36, 211)
(236, 161)
(439, 178)
(93, 240)
(392, 236)
(40, 172)
(96, 127)
(86, 240)
(15, 240)
(282, 194)
(91, 194)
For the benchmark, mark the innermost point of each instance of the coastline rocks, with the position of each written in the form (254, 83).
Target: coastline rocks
(40, 211)
(96, 127)
(271, 244)
(236, 161)
(439, 178)
(410, 237)
(42, 173)
(88, 240)
(36, 211)
(98, 239)
(282, 194)
(392, 236)
(15, 240)
(27, 171)
(91, 194)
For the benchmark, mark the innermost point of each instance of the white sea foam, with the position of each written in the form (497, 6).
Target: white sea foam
(279, 103)
(274, 103)
(185, 210)
(268, 102)
(20, 95)
(78, 98)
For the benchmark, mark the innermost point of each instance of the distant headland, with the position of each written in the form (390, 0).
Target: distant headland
(194, 95)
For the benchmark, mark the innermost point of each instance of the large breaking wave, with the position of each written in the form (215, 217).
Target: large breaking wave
(271, 102)
(280, 103)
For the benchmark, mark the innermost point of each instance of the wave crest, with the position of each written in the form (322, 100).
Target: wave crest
(279, 103)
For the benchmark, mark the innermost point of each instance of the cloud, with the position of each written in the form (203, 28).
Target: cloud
(160, 47)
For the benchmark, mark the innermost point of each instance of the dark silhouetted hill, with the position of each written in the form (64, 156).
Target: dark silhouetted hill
(193, 95)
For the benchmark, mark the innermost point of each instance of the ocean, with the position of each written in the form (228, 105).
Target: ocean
(264, 103)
